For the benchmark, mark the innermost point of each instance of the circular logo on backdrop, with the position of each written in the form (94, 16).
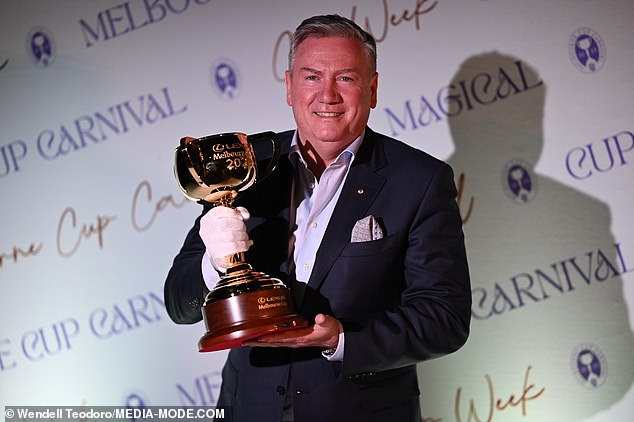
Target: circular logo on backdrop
(225, 79)
(586, 50)
(135, 400)
(589, 365)
(519, 182)
(41, 47)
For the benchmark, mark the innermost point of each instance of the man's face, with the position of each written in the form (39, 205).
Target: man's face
(331, 89)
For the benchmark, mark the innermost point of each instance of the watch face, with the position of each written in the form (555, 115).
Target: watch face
(328, 352)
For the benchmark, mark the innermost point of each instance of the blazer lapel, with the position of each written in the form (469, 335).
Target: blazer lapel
(359, 191)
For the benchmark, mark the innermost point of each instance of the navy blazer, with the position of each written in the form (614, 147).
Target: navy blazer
(402, 299)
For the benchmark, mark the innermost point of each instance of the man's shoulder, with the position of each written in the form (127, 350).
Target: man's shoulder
(396, 149)
(286, 135)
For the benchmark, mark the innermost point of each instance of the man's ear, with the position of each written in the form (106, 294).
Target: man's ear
(287, 78)
(374, 86)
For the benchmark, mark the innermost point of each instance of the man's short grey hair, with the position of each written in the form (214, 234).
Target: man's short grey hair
(332, 26)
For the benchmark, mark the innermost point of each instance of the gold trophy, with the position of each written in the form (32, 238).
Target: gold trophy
(245, 304)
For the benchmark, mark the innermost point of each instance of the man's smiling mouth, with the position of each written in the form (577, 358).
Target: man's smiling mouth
(326, 114)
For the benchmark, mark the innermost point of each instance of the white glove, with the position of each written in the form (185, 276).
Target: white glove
(224, 234)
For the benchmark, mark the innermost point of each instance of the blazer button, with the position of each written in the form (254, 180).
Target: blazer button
(281, 390)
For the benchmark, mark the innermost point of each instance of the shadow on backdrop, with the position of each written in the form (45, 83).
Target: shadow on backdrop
(550, 322)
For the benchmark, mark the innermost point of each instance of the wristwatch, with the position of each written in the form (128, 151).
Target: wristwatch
(328, 352)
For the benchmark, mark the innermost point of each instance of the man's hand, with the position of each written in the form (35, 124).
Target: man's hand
(324, 333)
(224, 233)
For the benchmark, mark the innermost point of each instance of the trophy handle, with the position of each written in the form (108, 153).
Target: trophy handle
(275, 146)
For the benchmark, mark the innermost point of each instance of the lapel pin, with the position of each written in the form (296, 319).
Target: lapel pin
(360, 191)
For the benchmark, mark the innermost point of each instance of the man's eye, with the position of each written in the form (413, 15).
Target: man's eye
(311, 78)
(346, 78)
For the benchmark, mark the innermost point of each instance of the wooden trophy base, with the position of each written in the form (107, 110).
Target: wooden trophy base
(261, 306)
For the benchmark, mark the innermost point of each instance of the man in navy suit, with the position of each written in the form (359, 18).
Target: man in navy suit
(364, 230)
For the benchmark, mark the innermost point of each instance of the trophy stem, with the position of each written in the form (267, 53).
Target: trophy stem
(226, 200)
(236, 259)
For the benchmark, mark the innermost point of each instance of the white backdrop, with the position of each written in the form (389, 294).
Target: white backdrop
(531, 103)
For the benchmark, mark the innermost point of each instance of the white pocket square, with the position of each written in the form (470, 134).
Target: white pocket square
(366, 230)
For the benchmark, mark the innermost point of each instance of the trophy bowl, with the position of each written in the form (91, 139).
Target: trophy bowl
(244, 304)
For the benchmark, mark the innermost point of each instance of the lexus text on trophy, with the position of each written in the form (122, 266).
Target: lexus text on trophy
(244, 304)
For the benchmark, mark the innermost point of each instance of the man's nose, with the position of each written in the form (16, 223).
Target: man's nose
(329, 93)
